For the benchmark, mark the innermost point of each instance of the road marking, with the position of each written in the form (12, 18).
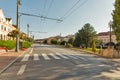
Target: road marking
(36, 57)
(54, 56)
(72, 56)
(21, 70)
(31, 51)
(81, 58)
(26, 57)
(62, 56)
(45, 57)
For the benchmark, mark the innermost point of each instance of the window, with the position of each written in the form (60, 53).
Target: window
(4, 28)
(1, 27)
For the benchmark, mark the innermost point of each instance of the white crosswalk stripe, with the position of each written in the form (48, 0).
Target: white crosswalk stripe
(54, 56)
(36, 57)
(50, 56)
(62, 56)
(45, 56)
(26, 57)
(72, 56)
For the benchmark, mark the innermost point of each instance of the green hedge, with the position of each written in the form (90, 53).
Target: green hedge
(8, 44)
(26, 44)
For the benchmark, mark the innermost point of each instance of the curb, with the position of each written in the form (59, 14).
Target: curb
(10, 64)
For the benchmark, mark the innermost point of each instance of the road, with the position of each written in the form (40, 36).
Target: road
(46, 62)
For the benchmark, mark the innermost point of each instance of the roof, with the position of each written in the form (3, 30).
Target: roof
(8, 19)
(105, 33)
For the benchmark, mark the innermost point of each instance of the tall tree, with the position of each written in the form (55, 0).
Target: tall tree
(85, 36)
(116, 20)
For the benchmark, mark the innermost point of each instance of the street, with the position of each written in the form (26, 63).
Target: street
(48, 62)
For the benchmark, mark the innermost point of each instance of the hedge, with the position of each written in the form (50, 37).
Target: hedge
(8, 44)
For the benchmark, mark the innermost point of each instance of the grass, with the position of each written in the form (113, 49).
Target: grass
(90, 50)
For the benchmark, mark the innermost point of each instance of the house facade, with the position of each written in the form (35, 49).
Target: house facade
(5, 26)
(105, 37)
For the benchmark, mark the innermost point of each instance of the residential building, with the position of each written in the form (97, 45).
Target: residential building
(5, 26)
(105, 37)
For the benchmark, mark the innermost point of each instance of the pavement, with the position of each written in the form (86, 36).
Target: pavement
(8, 58)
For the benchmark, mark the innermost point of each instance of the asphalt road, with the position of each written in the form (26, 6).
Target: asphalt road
(46, 62)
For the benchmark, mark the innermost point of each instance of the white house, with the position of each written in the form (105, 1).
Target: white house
(5, 26)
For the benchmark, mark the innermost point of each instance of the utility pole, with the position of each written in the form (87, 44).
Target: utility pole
(17, 35)
(28, 30)
(110, 25)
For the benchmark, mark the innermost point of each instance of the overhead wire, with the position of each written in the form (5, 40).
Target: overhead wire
(51, 3)
(63, 18)
(70, 9)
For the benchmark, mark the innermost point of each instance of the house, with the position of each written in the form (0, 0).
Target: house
(66, 38)
(5, 26)
(105, 37)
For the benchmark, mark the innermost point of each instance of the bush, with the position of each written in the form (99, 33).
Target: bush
(26, 44)
(54, 41)
(8, 44)
(93, 46)
(62, 42)
(68, 45)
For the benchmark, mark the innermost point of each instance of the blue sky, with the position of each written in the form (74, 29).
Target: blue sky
(95, 12)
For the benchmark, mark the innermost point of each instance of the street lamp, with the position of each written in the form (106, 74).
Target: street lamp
(110, 25)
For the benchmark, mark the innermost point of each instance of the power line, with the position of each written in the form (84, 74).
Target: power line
(75, 9)
(70, 9)
(40, 16)
(49, 7)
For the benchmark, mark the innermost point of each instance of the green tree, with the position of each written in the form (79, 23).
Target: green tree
(116, 20)
(12, 34)
(54, 41)
(71, 40)
(84, 36)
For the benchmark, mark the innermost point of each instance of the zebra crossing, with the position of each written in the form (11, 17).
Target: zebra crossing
(50, 56)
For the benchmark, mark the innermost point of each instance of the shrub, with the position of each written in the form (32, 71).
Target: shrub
(93, 46)
(54, 41)
(8, 44)
(62, 42)
(68, 45)
(26, 44)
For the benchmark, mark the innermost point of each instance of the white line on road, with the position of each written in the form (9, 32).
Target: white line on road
(26, 57)
(31, 51)
(81, 58)
(21, 70)
(36, 57)
(62, 56)
(72, 56)
(45, 57)
(54, 56)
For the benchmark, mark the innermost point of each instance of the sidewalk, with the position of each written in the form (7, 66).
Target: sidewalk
(7, 57)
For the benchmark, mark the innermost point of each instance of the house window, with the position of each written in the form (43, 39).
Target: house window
(0, 36)
(4, 28)
(1, 27)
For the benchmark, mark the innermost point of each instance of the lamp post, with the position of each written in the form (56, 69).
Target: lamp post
(110, 25)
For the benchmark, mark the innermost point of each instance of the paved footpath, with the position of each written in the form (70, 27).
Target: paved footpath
(7, 57)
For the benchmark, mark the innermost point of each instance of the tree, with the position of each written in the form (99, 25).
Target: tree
(13, 33)
(116, 20)
(116, 23)
(84, 36)
(71, 40)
